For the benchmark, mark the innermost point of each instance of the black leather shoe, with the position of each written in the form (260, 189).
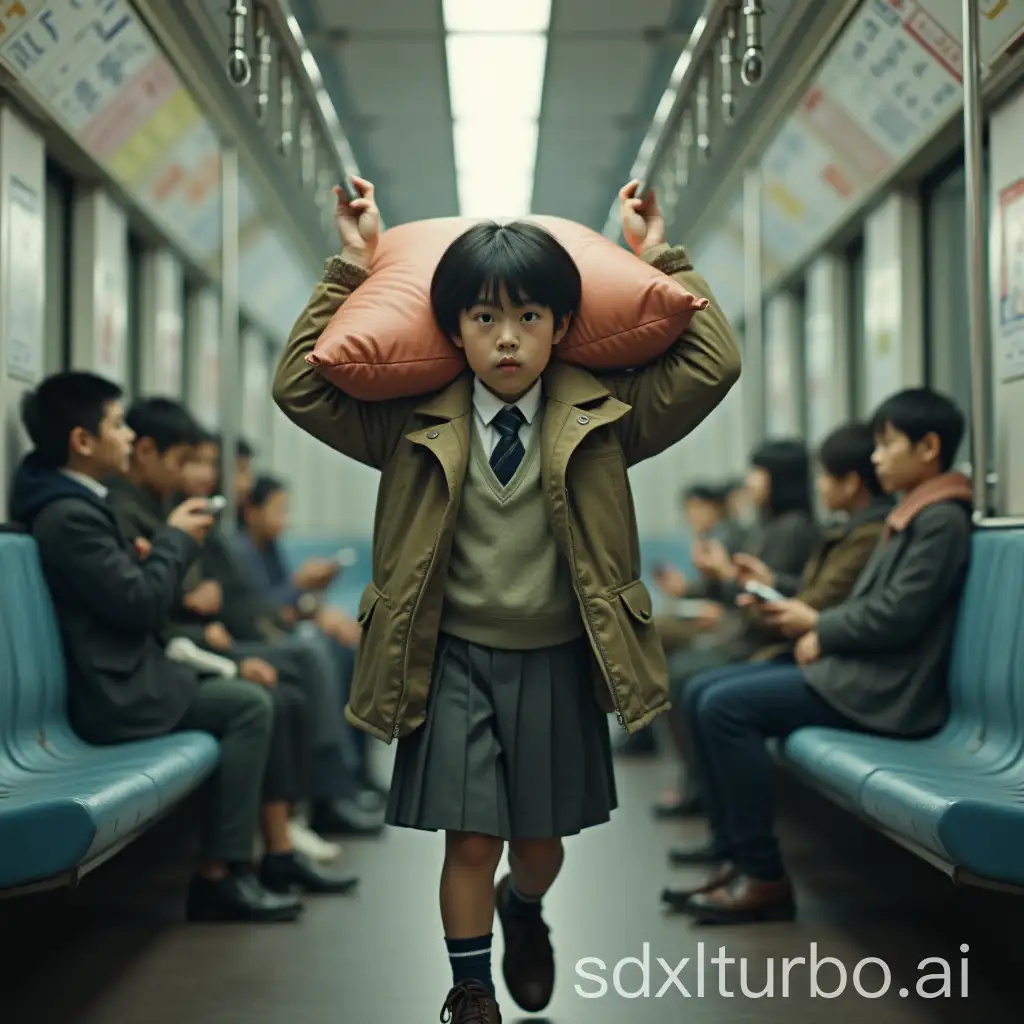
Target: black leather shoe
(346, 818)
(239, 897)
(529, 962)
(700, 853)
(686, 807)
(287, 872)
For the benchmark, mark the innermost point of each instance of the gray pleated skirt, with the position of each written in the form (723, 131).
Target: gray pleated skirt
(514, 745)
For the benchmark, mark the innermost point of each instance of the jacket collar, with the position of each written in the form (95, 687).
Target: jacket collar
(947, 487)
(563, 383)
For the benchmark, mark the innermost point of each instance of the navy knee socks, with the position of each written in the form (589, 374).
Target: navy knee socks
(471, 960)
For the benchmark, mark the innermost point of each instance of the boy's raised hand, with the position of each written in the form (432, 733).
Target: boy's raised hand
(358, 222)
(642, 223)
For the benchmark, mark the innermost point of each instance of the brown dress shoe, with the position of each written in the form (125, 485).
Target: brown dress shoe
(744, 900)
(678, 900)
(470, 1003)
(529, 961)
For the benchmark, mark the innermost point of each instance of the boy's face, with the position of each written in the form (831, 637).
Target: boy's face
(837, 493)
(270, 520)
(702, 516)
(508, 347)
(900, 463)
(243, 479)
(163, 472)
(108, 452)
(759, 487)
(200, 471)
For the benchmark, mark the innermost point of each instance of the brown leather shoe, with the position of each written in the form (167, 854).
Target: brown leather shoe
(529, 961)
(470, 1003)
(744, 900)
(678, 900)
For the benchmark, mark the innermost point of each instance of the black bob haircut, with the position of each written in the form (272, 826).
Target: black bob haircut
(531, 264)
(849, 450)
(264, 489)
(167, 423)
(918, 412)
(60, 404)
(788, 465)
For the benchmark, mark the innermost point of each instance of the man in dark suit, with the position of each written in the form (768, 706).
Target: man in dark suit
(114, 594)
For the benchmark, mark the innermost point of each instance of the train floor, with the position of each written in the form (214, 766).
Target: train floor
(116, 952)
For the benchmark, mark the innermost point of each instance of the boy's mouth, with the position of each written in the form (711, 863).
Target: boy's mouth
(508, 364)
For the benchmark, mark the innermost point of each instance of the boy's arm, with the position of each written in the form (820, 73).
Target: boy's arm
(836, 580)
(787, 584)
(677, 392)
(900, 612)
(365, 431)
(86, 559)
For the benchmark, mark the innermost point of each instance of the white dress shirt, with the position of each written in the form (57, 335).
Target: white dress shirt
(487, 405)
(87, 481)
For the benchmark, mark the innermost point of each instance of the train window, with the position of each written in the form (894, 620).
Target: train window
(947, 318)
(856, 328)
(134, 357)
(57, 339)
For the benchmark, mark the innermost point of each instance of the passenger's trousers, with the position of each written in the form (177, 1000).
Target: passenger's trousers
(308, 664)
(240, 715)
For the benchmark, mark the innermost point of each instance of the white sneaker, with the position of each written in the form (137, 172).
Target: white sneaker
(306, 841)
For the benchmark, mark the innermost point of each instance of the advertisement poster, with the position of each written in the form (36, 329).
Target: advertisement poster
(24, 304)
(1010, 328)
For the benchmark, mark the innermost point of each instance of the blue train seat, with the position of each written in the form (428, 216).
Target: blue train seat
(957, 798)
(66, 806)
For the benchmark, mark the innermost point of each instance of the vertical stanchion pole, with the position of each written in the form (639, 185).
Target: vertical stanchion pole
(977, 275)
(230, 391)
(753, 335)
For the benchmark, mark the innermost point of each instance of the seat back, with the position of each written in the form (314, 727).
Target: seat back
(33, 680)
(986, 677)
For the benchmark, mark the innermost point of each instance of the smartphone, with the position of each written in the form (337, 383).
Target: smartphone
(688, 608)
(347, 557)
(762, 593)
(216, 504)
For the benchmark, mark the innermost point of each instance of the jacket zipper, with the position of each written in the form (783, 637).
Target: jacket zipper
(590, 622)
(412, 620)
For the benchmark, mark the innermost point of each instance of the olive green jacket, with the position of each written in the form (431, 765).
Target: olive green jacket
(594, 427)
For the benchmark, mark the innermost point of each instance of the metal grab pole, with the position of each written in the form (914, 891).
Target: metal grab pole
(229, 362)
(753, 331)
(977, 275)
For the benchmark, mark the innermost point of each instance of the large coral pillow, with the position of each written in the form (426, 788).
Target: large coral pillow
(384, 342)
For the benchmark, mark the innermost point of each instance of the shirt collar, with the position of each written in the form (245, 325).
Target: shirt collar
(488, 404)
(87, 481)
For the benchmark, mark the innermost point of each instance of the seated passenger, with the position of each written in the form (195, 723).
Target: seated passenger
(296, 596)
(250, 626)
(165, 439)
(112, 605)
(848, 486)
(877, 662)
(779, 486)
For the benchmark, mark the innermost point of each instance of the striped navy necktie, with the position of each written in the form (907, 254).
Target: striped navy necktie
(509, 451)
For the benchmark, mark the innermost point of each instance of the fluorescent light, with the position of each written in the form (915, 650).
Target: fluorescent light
(497, 51)
(481, 142)
(496, 77)
(497, 15)
(495, 196)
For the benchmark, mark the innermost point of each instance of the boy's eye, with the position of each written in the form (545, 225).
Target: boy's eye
(528, 316)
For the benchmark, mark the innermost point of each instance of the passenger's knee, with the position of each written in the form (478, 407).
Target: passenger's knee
(472, 851)
(537, 853)
(255, 707)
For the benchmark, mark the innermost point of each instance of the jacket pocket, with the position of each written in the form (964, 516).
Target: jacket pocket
(633, 651)
(376, 686)
(636, 599)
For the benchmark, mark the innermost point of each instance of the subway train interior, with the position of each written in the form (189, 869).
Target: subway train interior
(269, 626)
